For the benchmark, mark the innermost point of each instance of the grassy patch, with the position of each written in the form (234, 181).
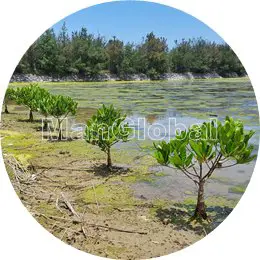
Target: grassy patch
(187, 192)
(110, 196)
(158, 204)
(240, 189)
(218, 201)
(137, 178)
(159, 174)
(115, 251)
(47, 210)
(220, 179)
(18, 145)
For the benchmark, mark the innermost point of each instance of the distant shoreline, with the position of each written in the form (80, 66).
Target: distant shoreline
(20, 78)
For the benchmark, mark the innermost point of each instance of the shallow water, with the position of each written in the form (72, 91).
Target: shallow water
(175, 186)
(189, 102)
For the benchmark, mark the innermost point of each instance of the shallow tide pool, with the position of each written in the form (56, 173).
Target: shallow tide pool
(150, 105)
(153, 103)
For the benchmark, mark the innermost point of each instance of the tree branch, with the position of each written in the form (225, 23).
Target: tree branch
(192, 174)
(207, 164)
(209, 173)
(186, 174)
(228, 165)
(194, 169)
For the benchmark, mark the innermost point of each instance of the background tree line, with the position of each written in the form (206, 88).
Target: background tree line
(85, 54)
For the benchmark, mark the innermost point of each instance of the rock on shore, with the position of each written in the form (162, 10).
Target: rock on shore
(110, 77)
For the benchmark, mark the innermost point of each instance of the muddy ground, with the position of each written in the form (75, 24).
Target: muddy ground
(116, 214)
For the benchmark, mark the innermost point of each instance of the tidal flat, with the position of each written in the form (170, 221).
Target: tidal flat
(139, 203)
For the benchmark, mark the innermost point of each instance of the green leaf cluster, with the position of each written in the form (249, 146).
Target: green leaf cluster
(61, 106)
(107, 127)
(204, 143)
(38, 99)
(233, 141)
(10, 94)
(29, 96)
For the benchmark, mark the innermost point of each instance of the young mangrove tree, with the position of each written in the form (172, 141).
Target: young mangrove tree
(60, 107)
(106, 128)
(203, 148)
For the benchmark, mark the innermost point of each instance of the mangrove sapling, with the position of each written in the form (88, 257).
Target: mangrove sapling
(106, 128)
(10, 95)
(203, 148)
(29, 96)
(60, 107)
(43, 107)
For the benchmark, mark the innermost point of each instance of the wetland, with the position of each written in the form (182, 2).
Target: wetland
(139, 209)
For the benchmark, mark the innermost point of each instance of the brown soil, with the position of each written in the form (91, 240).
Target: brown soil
(65, 186)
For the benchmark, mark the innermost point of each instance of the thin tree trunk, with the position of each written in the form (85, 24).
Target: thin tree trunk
(31, 116)
(6, 109)
(109, 161)
(60, 130)
(200, 211)
(45, 124)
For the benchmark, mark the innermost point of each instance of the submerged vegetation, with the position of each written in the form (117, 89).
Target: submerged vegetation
(70, 190)
(103, 190)
(196, 152)
(238, 189)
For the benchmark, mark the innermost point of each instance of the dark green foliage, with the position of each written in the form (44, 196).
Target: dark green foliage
(229, 62)
(87, 55)
(106, 128)
(130, 60)
(203, 148)
(154, 53)
(201, 56)
(115, 52)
